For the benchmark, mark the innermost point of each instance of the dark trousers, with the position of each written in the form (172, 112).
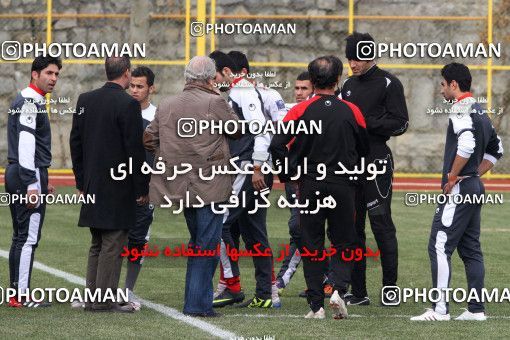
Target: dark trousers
(341, 232)
(139, 235)
(105, 261)
(253, 229)
(457, 226)
(374, 197)
(293, 259)
(26, 226)
(205, 234)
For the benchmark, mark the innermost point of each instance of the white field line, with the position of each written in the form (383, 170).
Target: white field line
(168, 311)
(299, 316)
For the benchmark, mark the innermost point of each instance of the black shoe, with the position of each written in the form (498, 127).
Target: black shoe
(303, 294)
(32, 304)
(98, 308)
(357, 301)
(390, 303)
(228, 297)
(212, 314)
(257, 303)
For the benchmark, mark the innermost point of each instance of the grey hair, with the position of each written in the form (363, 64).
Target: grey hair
(200, 68)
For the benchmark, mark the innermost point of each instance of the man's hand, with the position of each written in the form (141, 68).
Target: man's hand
(452, 180)
(258, 179)
(51, 189)
(142, 200)
(33, 198)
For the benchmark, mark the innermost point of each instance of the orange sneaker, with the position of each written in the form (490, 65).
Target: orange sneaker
(13, 302)
(328, 290)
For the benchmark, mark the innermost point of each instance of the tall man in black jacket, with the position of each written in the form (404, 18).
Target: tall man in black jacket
(380, 96)
(107, 131)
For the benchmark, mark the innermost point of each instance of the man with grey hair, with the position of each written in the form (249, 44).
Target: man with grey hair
(203, 149)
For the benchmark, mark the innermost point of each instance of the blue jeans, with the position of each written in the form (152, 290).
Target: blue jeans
(205, 230)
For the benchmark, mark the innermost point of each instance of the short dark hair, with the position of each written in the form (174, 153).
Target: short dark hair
(303, 76)
(222, 60)
(458, 72)
(324, 71)
(116, 66)
(352, 41)
(40, 63)
(144, 71)
(240, 60)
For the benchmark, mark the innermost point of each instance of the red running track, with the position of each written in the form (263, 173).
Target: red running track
(399, 183)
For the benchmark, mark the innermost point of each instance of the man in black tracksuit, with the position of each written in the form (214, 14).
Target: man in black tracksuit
(380, 96)
(343, 139)
(472, 148)
(29, 157)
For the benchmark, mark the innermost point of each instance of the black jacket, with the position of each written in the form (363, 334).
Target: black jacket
(343, 138)
(380, 96)
(107, 130)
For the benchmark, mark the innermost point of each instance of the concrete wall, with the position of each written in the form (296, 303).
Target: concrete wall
(420, 149)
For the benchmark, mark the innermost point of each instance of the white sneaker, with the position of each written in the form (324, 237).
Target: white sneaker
(468, 316)
(338, 306)
(275, 297)
(134, 301)
(320, 314)
(220, 289)
(431, 315)
(77, 305)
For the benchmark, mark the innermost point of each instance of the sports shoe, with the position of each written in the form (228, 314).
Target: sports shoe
(431, 315)
(468, 316)
(227, 297)
(13, 302)
(77, 305)
(328, 290)
(338, 306)
(122, 308)
(219, 289)
(280, 285)
(134, 301)
(212, 314)
(257, 303)
(275, 297)
(38, 304)
(303, 294)
(320, 314)
(357, 301)
(347, 296)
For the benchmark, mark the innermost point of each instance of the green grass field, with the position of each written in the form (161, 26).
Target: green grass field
(64, 246)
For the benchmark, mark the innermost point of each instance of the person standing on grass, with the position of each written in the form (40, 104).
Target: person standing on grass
(250, 149)
(107, 132)
(472, 148)
(203, 151)
(29, 157)
(343, 139)
(380, 96)
(141, 87)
